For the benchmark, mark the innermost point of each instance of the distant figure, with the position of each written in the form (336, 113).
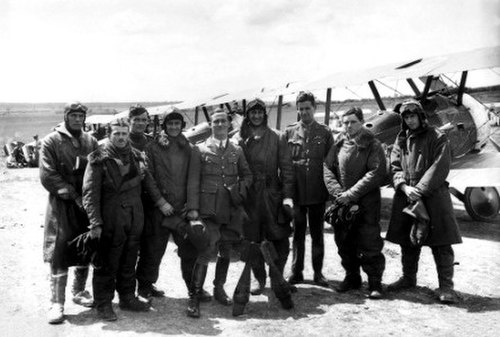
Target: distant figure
(63, 158)
(309, 143)
(354, 170)
(112, 198)
(420, 162)
(218, 181)
(31, 152)
(15, 156)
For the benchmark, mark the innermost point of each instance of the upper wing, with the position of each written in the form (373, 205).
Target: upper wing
(469, 60)
(99, 119)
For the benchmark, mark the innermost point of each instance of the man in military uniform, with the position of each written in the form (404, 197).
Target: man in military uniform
(63, 157)
(309, 143)
(218, 181)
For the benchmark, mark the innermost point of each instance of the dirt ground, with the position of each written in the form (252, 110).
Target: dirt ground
(318, 311)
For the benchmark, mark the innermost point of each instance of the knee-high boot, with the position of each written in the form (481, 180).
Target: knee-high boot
(409, 261)
(187, 266)
(221, 268)
(80, 295)
(58, 291)
(195, 288)
(445, 259)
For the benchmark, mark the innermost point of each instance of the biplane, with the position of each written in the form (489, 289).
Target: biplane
(475, 174)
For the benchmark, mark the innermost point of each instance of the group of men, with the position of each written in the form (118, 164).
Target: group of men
(248, 194)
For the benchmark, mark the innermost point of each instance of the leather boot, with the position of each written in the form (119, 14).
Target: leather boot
(444, 258)
(106, 313)
(375, 288)
(195, 288)
(242, 292)
(133, 303)
(80, 295)
(221, 268)
(58, 289)
(187, 267)
(351, 281)
(409, 261)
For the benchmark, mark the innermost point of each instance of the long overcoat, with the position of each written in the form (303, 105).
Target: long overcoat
(309, 146)
(62, 164)
(422, 159)
(271, 164)
(358, 169)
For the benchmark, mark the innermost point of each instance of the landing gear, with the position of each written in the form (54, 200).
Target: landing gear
(482, 203)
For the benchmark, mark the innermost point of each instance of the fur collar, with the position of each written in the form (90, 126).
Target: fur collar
(362, 140)
(102, 153)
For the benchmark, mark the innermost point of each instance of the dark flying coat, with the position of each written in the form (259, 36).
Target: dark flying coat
(271, 164)
(422, 159)
(63, 159)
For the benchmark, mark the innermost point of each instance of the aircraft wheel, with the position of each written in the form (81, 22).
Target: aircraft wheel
(482, 203)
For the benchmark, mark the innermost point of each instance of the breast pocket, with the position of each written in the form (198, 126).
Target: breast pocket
(211, 164)
(232, 164)
(317, 147)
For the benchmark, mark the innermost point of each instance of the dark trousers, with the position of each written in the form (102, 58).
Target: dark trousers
(444, 257)
(153, 245)
(315, 215)
(118, 253)
(361, 245)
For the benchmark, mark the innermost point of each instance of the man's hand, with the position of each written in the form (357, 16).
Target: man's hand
(342, 199)
(411, 192)
(167, 209)
(192, 215)
(95, 232)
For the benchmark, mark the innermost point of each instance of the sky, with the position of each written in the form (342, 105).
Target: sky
(164, 50)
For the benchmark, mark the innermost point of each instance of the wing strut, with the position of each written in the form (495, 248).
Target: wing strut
(327, 105)
(205, 112)
(376, 95)
(196, 115)
(461, 88)
(428, 84)
(413, 86)
(278, 112)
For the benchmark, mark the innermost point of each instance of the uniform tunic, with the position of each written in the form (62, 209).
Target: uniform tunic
(213, 172)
